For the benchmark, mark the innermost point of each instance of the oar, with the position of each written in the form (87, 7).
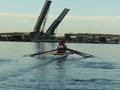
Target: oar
(42, 52)
(85, 55)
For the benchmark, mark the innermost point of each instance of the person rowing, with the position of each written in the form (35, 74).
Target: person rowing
(61, 48)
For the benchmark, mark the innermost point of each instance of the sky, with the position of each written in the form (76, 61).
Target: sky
(85, 16)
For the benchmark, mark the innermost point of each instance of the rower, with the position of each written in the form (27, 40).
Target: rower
(61, 48)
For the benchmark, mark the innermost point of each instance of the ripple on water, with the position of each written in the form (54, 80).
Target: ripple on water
(97, 65)
(93, 83)
(4, 60)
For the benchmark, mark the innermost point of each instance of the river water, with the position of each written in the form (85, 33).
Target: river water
(19, 71)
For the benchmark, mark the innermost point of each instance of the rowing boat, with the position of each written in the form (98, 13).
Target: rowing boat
(71, 51)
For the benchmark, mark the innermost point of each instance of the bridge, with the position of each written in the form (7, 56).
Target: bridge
(38, 33)
(14, 33)
(93, 38)
(15, 36)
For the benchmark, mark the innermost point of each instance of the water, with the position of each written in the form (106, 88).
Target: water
(18, 72)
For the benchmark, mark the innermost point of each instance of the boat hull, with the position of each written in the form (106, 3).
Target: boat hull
(60, 56)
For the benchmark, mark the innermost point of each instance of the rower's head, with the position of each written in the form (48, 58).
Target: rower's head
(61, 42)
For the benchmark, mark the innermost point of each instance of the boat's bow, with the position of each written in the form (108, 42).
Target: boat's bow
(59, 56)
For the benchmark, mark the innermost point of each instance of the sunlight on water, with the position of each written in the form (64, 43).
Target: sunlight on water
(42, 72)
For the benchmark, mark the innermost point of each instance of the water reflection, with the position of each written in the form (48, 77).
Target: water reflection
(61, 74)
(44, 46)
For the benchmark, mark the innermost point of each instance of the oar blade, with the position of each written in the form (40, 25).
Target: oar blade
(82, 54)
(85, 55)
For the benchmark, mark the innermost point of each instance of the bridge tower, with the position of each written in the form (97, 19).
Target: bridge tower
(37, 29)
(51, 29)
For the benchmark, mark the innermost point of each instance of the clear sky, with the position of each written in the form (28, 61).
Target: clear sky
(85, 16)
